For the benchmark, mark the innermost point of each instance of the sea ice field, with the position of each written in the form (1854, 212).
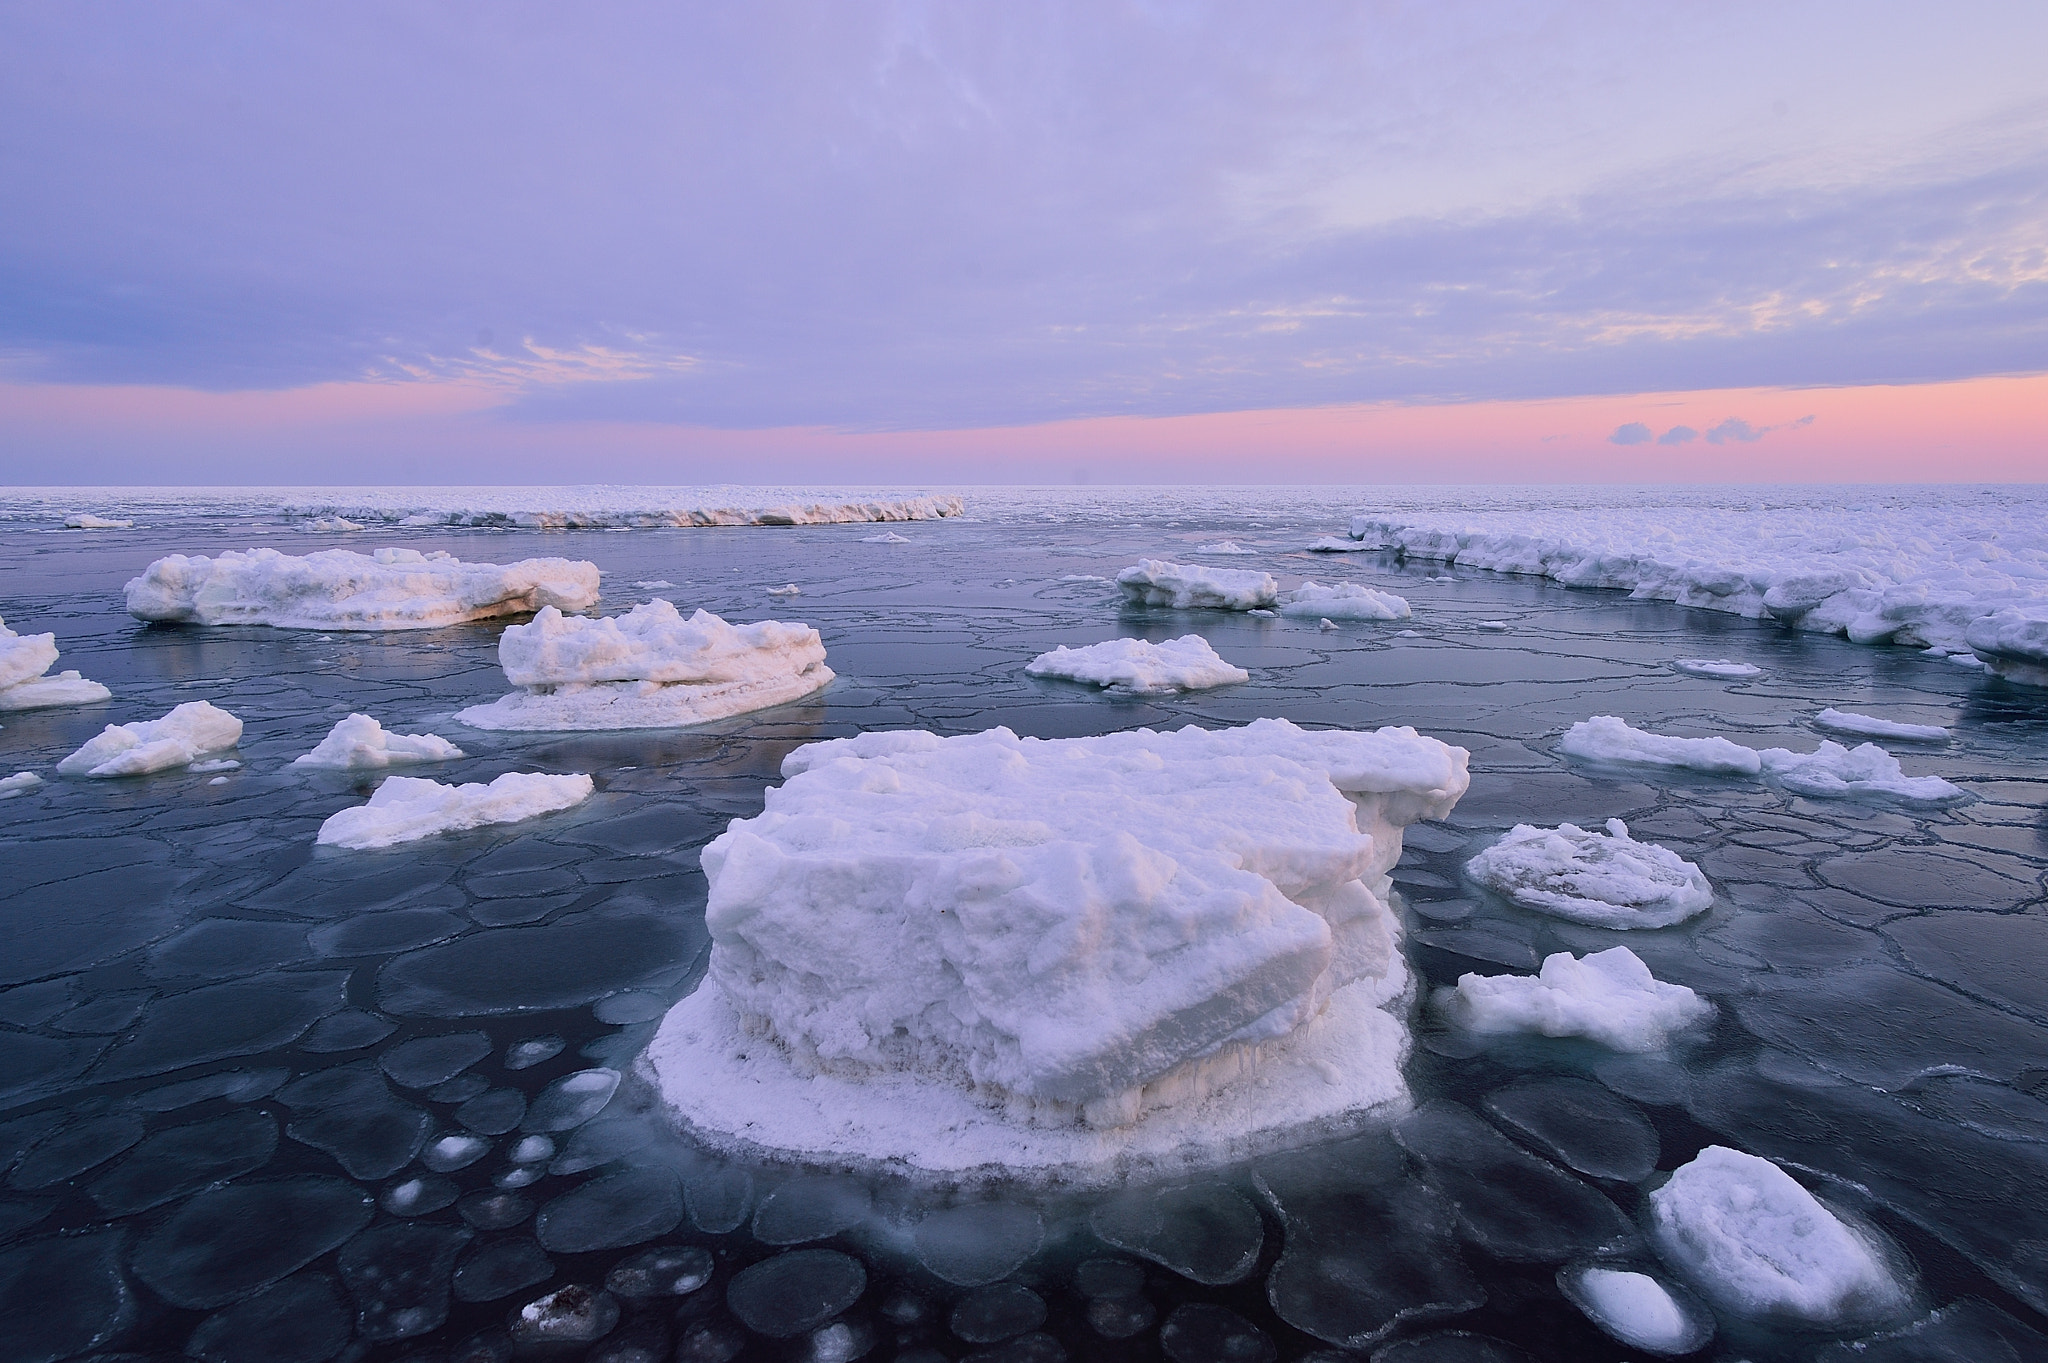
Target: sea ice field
(1728, 1050)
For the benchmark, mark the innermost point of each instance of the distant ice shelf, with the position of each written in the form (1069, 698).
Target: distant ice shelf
(647, 669)
(605, 508)
(1953, 578)
(986, 950)
(339, 589)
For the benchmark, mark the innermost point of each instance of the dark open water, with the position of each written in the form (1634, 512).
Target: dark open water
(261, 1102)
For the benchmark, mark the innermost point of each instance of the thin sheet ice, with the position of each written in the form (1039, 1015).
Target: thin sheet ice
(339, 589)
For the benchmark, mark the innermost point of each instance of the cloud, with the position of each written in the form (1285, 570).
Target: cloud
(1632, 433)
(1735, 428)
(1678, 435)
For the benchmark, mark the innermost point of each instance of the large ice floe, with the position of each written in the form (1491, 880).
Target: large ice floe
(339, 589)
(188, 734)
(1189, 586)
(1952, 578)
(25, 683)
(1608, 880)
(1138, 949)
(1756, 1244)
(617, 507)
(1188, 663)
(361, 743)
(1607, 996)
(647, 669)
(1829, 771)
(407, 808)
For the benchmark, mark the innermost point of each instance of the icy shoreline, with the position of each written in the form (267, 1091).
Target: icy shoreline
(1924, 577)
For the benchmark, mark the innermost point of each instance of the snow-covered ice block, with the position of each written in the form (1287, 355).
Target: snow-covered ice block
(19, 784)
(24, 661)
(1223, 547)
(1185, 586)
(1606, 738)
(342, 589)
(1188, 663)
(182, 737)
(1755, 1243)
(406, 808)
(1343, 601)
(2013, 643)
(946, 951)
(85, 520)
(1870, 726)
(1637, 1309)
(787, 589)
(1725, 669)
(1607, 996)
(649, 668)
(1335, 544)
(334, 523)
(1833, 771)
(1608, 880)
(360, 742)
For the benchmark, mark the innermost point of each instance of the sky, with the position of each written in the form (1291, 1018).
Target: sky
(966, 243)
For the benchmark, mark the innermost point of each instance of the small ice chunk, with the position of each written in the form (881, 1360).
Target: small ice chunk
(406, 808)
(787, 589)
(1343, 601)
(1726, 669)
(212, 764)
(333, 523)
(454, 1152)
(1605, 738)
(85, 520)
(886, 537)
(1833, 771)
(1870, 726)
(1608, 996)
(648, 668)
(19, 784)
(341, 589)
(1082, 577)
(1223, 547)
(1188, 663)
(1186, 586)
(1609, 881)
(359, 742)
(1493, 626)
(1337, 544)
(1759, 1245)
(25, 659)
(1637, 1309)
(180, 738)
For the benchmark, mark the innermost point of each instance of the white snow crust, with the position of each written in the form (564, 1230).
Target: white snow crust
(339, 589)
(2013, 642)
(184, 736)
(1743, 1232)
(407, 808)
(25, 660)
(19, 784)
(1053, 951)
(1726, 669)
(360, 742)
(648, 668)
(1606, 996)
(1187, 586)
(1606, 738)
(1609, 881)
(1636, 1309)
(1919, 571)
(610, 508)
(1870, 726)
(1832, 771)
(1188, 663)
(85, 520)
(1343, 601)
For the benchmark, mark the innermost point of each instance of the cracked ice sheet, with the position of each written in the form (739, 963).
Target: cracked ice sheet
(521, 932)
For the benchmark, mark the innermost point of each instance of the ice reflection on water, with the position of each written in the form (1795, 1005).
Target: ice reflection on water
(258, 1102)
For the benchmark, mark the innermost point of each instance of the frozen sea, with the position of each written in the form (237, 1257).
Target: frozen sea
(262, 1101)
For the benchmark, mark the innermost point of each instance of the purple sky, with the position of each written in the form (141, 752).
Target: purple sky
(912, 217)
